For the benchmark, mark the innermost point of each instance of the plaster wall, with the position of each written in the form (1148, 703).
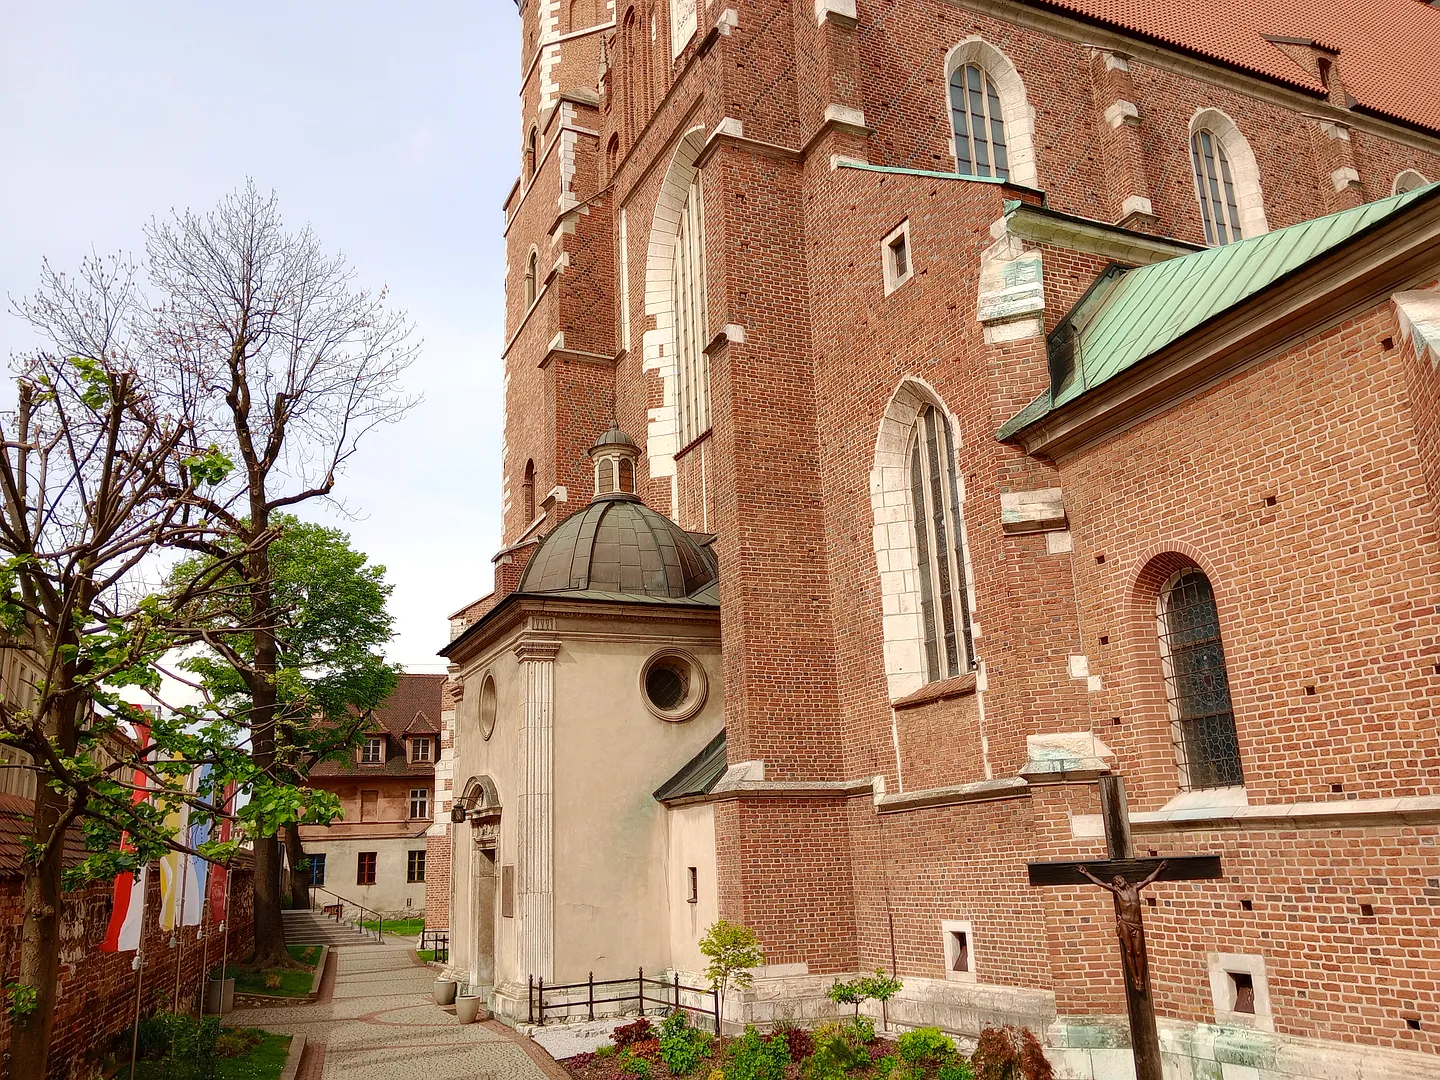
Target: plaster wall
(611, 836)
(691, 831)
(391, 894)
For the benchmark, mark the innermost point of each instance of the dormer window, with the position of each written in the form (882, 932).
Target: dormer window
(373, 752)
(419, 749)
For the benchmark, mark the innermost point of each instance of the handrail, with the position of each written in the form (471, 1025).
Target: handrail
(340, 911)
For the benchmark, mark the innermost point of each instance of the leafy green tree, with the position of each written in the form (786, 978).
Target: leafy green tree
(733, 950)
(329, 621)
(97, 478)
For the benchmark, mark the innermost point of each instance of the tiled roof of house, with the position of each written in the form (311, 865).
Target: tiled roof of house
(15, 815)
(1154, 306)
(1387, 49)
(412, 708)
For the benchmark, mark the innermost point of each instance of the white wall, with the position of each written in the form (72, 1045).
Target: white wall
(391, 894)
(691, 843)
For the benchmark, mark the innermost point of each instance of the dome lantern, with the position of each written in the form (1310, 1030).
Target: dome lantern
(614, 455)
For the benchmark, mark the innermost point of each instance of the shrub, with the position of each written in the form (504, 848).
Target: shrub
(580, 1060)
(836, 1055)
(626, 1034)
(605, 1050)
(1009, 1053)
(682, 1046)
(272, 981)
(649, 1049)
(754, 1057)
(959, 1069)
(861, 1031)
(635, 1066)
(925, 1046)
(237, 1042)
(800, 1043)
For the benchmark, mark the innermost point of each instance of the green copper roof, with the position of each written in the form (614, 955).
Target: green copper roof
(699, 775)
(1153, 306)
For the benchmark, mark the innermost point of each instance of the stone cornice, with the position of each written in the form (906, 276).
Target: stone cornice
(1322, 294)
(982, 791)
(1043, 226)
(1337, 814)
(537, 646)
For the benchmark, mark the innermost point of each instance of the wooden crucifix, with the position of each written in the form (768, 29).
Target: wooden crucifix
(1124, 876)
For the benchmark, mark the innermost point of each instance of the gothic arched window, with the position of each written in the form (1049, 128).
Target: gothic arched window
(1215, 181)
(1197, 685)
(532, 271)
(527, 492)
(1408, 180)
(980, 148)
(939, 550)
(687, 285)
(532, 154)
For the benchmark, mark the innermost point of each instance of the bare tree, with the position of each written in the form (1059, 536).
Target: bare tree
(278, 359)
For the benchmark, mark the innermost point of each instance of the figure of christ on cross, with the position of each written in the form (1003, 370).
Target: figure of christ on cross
(1128, 876)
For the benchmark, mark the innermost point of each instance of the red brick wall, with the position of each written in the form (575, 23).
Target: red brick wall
(97, 990)
(437, 880)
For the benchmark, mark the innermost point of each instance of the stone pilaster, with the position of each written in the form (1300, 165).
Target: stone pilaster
(536, 651)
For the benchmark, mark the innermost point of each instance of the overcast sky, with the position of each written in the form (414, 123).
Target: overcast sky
(391, 128)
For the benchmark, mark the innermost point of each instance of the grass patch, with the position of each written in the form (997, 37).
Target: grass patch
(425, 954)
(257, 1055)
(279, 982)
(403, 927)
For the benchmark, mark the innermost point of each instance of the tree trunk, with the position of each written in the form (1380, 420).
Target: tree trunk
(299, 884)
(40, 945)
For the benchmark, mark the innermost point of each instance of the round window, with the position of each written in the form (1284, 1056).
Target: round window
(673, 685)
(487, 707)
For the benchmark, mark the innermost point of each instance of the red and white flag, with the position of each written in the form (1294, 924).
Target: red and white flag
(123, 933)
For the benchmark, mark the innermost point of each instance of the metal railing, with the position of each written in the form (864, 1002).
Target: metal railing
(337, 912)
(439, 941)
(672, 1000)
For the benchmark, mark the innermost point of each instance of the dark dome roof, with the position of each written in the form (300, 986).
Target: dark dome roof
(617, 544)
(614, 437)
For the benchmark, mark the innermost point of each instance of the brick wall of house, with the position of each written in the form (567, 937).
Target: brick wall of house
(97, 991)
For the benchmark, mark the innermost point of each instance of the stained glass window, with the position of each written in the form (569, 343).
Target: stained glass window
(1196, 683)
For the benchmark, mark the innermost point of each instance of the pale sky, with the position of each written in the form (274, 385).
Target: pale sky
(391, 128)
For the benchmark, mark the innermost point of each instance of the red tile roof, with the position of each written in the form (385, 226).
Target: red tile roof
(15, 826)
(1389, 50)
(412, 708)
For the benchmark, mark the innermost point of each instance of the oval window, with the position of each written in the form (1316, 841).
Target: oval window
(487, 707)
(673, 685)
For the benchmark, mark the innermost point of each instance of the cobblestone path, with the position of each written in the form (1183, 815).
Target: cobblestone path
(376, 1020)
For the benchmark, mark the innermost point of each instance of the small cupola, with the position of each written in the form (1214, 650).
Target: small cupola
(614, 455)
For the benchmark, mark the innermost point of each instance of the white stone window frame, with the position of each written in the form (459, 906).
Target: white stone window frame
(893, 278)
(949, 928)
(1015, 109)
(893, 536)
(532, 279)
(420, 797)
(1222, 990)
(1249, 194)
(662, 434)
(1407, 180)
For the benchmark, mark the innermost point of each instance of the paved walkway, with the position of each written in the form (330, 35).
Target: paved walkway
(376, 1019)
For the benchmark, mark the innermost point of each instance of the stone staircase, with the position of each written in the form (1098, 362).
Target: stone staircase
(312, 928)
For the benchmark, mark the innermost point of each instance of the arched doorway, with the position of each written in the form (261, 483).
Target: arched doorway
(479, 806)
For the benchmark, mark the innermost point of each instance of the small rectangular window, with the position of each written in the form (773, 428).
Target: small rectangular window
(365, 868)
(373, 752)
(1242, 986)
(419, 802)
(420, 750)
(317, 869)
(896, 256)
(507, 892)
(415, 868)
(693, 876)
(959, 945)
(960, 950)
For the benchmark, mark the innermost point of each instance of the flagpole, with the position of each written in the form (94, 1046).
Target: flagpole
(139, 965)
(181, 861)
(205, 949)
(225, 948)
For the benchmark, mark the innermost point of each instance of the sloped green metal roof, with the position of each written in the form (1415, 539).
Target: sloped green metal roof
(699, 775)
(1153, 306)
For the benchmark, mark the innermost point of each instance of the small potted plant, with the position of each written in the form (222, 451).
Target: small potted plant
(445, 990)
(467, 1007)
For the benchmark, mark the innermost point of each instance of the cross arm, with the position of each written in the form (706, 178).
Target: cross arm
(1176, 868)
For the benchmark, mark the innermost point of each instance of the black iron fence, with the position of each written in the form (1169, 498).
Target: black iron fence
(439, 941)
(659, 994)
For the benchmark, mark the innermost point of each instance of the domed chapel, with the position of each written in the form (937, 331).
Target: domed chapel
(918, 414)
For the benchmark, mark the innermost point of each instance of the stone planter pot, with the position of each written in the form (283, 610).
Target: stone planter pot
(219, 996)
(467, 1009)
(445, 991)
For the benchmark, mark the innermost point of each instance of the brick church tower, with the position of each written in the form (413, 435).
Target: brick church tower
(1055, 391)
